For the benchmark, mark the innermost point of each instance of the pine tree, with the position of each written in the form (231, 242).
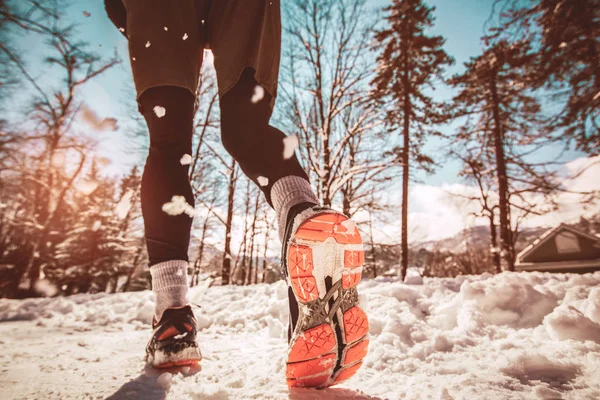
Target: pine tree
(92, 254)
(408, 65)
(128, 211)
(502, 128)
(566, 34)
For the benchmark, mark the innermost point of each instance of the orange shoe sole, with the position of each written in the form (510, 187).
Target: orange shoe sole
(324, 265)
(180, 363)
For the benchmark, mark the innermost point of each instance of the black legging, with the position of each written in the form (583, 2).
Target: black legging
(246, 135)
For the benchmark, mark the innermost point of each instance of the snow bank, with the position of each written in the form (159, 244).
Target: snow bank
(512, 335)
(249, 309)
(567, 322)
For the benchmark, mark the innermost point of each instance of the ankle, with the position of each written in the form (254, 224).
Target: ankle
(287, 193)
(169, 284)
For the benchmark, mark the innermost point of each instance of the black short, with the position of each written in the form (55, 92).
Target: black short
(167, 39)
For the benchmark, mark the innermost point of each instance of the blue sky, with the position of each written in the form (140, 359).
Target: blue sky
(461, 22)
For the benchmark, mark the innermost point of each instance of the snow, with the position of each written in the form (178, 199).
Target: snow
(45, 288)
(86, 187)
(507, 336)
(258, 95)
(97, 225)
(290, 143)
(178, 205)
(124, 205)
(148, 44)
(166, 28)
(94, 121)
(567, 322)
(186, 159)
(262, 181)
(185, 36)
(164, 380)
(159, 111)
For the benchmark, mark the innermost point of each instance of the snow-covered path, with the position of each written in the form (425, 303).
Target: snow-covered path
(509, 336)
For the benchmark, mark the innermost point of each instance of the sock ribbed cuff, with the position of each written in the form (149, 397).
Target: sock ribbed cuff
(169, 284)
(286, 193)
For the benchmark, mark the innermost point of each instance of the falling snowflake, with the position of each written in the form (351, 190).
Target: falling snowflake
(186, 159)
(563, 45)
(147, 44)
(185, 36)
(166, 29)
(86, 14)
(133, 58)
(262, 181)
(259, 93)
(122, 29)
(124, 205)
(290, 143)
(96, 122)
(597, 96)
(159, 111)
(97, 225)
(86, 187)
(178, 205)
(202, 22)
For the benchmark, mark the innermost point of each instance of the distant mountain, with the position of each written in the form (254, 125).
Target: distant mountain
(477, 237)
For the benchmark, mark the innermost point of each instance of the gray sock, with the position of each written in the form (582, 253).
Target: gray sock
(286, 193)
(169, 284)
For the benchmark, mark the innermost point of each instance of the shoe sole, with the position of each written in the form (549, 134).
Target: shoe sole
(182, 363)
(188, 356)
(324, 263)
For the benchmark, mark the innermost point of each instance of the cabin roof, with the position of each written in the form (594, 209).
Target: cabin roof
(549, 234)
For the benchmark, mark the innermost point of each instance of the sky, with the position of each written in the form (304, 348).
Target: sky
(461, 22)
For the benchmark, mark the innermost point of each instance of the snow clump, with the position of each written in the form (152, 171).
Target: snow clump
(160, 111)
(290, 143)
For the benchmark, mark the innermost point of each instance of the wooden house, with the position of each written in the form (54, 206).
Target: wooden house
(561, 249)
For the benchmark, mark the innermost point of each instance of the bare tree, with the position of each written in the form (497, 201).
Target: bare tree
(53, 113)
(327, 94)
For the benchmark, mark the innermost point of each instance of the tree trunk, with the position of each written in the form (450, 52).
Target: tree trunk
(264, 266)
(494, 244)
(244, 245)
(136, 260)
(252, 267)
(226, 269)
(405, 169)
(505, 233)
(345, 202)
(198, 263)
(373, 255)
